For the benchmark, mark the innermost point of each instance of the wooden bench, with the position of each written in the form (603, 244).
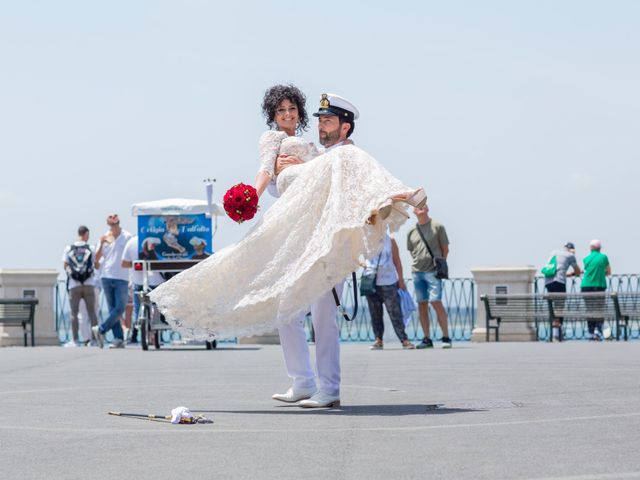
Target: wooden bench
(19, 312)
(628, 308)
(618, 308)
(520, 308)
(585, 306)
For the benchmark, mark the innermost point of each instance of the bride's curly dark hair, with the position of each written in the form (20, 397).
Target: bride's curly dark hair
(276, 94)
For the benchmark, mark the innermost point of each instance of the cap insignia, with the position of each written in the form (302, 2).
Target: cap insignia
(324, 101)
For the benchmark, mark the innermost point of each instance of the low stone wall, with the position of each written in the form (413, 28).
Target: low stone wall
(493, 280)
(21, 283)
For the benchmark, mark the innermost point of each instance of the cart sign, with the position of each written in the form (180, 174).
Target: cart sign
(174, 237)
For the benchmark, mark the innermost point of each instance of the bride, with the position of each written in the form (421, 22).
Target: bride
(334, 208)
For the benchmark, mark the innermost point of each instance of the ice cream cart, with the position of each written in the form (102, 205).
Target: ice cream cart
(173, 235)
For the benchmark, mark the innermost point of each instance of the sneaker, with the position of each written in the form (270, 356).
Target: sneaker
(98, 335)
(425, 343)
(377, 345)
(117, 343)
(446, 342)
(72, 344)
(407, 345)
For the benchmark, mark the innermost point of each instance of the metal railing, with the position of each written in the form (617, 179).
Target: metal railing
(62, 315)
(458, 297)
(575, 329)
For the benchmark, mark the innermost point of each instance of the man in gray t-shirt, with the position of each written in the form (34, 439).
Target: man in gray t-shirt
(565, 259)
(427, 286)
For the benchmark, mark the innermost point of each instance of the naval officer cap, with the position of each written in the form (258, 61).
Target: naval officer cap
(332, 104)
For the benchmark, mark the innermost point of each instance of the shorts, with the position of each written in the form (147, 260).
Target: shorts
(556, 287)
(428, 288)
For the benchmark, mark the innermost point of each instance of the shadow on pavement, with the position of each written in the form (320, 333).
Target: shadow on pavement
(396, 410)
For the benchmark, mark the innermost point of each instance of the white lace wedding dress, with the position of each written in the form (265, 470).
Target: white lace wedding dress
(308, 241)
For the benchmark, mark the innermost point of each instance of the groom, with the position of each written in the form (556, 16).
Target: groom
(336, 121)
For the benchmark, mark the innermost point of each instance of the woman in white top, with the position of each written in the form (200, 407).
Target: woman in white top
(283, 107)
(388, 270)
(307, 242)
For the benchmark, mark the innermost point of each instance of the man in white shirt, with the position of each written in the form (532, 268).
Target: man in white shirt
(335, 125)
(78, 260)
(130, 255)
(115, 280)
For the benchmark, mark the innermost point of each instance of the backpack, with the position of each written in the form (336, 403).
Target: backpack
(80, 261)
(550, 269)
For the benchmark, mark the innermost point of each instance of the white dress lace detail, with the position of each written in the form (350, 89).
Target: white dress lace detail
(296, 147)
(308, 241)
(268, 147)
(274, 142)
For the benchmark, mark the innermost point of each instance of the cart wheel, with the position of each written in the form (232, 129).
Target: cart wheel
(156, 340)
(144, 329)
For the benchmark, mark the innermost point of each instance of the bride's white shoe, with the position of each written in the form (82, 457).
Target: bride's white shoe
(417, 199)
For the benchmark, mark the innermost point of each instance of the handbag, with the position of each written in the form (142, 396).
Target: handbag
(442, 269)
(368, 281)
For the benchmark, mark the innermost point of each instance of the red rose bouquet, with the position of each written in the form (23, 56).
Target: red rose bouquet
(241, 202)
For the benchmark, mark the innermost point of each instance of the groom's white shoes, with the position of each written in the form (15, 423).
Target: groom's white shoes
(294, 394)
(321, 400)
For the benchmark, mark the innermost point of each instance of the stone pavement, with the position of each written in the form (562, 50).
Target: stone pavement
(477, 411)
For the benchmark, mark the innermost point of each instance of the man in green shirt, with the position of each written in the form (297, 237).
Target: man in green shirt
(596, 269)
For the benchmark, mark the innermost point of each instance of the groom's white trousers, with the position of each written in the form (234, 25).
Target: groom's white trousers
(327, 338)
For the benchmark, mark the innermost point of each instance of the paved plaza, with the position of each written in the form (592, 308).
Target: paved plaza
(477, 411)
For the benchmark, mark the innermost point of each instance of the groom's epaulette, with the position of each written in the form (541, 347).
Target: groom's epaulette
(331, 104)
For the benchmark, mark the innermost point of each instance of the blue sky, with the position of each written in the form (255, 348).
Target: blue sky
(520, 119)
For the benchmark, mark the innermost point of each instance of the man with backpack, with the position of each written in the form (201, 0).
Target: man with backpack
(78, 259)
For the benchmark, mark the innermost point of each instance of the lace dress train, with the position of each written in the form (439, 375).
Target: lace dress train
(307, 242)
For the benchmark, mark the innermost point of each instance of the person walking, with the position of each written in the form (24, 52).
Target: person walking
(78, 261)
(427, 286)
(115, 280)
(596, 270)
(387, 269)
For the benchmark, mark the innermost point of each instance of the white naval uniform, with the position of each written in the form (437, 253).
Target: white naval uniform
(293, 339)
(297, 358)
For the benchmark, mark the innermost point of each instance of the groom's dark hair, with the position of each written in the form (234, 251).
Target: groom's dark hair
(352, 125)
(276, 94)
